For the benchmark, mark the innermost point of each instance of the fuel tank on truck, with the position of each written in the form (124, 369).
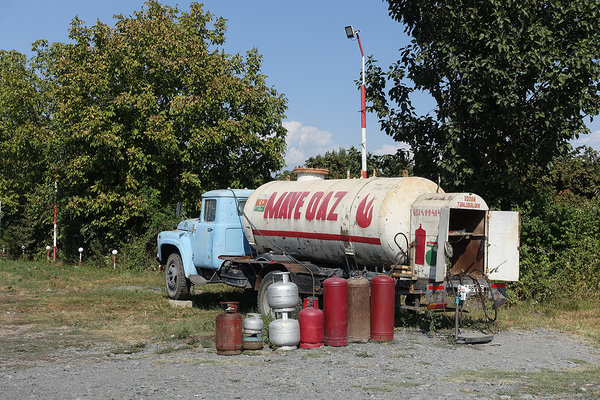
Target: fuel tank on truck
(325, 221)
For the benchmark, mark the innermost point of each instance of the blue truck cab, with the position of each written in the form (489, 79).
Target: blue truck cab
(191, 252)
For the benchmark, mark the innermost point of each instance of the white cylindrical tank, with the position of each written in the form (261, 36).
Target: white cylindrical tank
(284, 333)
(327, 220)
(253, 323)
(282, 295)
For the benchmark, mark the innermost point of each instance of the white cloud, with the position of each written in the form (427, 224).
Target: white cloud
(306, 141)
(390, 148)
(592, 140)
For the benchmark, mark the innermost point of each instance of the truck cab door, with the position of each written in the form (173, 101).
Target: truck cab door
(203, 243)
(503, 245)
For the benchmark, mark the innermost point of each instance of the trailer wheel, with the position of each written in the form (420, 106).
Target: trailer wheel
(263, 304)
(178, 286)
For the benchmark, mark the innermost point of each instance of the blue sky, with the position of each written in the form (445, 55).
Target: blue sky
(306, 56)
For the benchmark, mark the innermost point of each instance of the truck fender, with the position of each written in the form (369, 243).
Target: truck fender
(183, 245)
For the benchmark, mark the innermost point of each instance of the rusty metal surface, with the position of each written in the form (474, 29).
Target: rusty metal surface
(359, 310)
(468, 258)
(228, 332)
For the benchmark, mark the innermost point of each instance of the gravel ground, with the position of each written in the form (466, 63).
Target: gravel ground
(414, 365)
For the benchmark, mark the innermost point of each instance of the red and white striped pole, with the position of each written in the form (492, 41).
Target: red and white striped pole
(363, 113)
(350, 33)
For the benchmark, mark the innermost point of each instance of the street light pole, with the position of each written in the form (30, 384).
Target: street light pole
(350, 33)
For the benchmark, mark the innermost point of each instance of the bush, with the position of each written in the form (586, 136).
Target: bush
(560, 249)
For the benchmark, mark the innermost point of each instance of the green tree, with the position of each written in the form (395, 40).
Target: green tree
(26, 198)
(512, 82)
(575, 175)
(341, 161)
(153, 111)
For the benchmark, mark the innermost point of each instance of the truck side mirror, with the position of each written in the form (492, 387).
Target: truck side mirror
(178, 209)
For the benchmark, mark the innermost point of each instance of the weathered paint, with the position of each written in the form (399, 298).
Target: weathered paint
(503, 245)
(426, 215)
(327, 220)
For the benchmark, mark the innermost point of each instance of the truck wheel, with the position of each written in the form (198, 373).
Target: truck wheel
(178, 286)
(263, 304)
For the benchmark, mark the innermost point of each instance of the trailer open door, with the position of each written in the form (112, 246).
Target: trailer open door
(440, 265)
(503, 245)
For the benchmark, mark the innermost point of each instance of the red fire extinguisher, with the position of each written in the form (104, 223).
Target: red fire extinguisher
(335, 306)
(420, 238)
(311, 324)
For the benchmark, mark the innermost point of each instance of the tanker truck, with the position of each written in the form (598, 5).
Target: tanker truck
(406, 227)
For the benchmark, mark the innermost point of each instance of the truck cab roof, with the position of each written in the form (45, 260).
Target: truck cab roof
(239, 193)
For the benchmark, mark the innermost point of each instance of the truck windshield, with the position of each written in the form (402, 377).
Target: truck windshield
(210, 210)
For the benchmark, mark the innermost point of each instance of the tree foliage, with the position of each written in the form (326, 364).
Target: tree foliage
(560, 234)
(341, 161)
(512, 82)
(24, 192)
(143, 114)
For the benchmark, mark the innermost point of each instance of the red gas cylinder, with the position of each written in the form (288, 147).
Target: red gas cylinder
(311, 324)
(335, 311)
(228, 334)
(382, 308)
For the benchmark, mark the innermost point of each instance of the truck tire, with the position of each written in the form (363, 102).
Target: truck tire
(178, 286)
(262, 303)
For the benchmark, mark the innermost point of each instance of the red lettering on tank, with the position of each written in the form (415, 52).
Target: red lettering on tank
(312, 205)
(364, 212)
(293, 199)
(269, 207)
(333, 216)
(322, 213)
(299, 204)
(272, 207)
(283, 209)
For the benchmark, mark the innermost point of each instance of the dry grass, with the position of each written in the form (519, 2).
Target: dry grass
(46, 307)
(580, 382)
(579, 316)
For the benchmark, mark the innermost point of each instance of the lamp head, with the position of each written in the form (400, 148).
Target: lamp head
(350, 32)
